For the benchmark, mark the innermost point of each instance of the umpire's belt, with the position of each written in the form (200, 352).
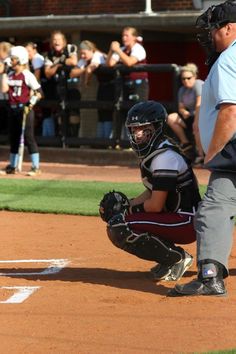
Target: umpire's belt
(17, 106)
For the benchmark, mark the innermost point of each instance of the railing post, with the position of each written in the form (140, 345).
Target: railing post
(148, 7)
(175, 86)
(118, 104)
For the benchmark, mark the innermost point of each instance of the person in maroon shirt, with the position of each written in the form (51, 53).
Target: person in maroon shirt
(135, 85)
(20, 83)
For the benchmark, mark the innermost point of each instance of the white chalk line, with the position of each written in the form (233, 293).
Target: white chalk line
(21, 293)
(55, 266)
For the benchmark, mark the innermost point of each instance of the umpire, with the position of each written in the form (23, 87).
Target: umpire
(217, 122)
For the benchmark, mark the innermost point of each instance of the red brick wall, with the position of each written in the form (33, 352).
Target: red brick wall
(71, 7)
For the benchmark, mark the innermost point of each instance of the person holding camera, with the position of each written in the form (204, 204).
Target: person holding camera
(91, 58)
(58, 63)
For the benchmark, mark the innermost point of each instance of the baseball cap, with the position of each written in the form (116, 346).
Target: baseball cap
(217, 16)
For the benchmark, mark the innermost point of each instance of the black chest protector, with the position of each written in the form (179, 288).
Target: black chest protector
(183, 192)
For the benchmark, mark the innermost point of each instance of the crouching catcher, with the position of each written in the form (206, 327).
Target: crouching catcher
(150, 225)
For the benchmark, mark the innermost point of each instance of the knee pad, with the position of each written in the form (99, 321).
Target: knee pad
(145, 246)
(118, 230)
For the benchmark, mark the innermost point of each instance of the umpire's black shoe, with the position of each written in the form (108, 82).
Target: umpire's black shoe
(213, 286)
(210, 282)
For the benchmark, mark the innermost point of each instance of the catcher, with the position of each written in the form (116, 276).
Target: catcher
(150, 225)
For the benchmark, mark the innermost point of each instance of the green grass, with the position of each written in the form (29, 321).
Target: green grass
(232, 351)
(59, 197)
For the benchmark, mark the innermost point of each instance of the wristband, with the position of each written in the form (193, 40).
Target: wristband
(33, 100)
(138, 208)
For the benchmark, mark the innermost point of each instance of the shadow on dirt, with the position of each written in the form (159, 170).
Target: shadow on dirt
(132, 280)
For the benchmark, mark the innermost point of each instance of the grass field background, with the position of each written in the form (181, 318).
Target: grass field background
(60, 197)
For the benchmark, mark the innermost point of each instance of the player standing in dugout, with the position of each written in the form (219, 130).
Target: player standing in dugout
(24, 91)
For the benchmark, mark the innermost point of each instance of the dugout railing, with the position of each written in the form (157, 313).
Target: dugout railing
(63, 105)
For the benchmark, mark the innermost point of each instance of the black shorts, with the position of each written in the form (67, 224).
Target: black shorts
(188, 122)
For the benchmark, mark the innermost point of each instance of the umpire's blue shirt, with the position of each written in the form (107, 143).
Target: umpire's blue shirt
(218, 88)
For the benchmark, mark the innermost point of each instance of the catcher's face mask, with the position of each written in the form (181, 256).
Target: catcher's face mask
(143, 137)
(142, 134)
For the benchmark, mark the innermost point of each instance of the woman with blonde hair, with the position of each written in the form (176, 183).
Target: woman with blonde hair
(58, 62)
(184, 123)
(90, 59)
(135, 86)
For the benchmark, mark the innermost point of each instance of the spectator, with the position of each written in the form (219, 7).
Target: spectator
(36, 66)
(20, 84)
(36, 60)
(4, 68)
(90, 59)
(5, 54)
(134, 84)
(58, 63)
(184, 122)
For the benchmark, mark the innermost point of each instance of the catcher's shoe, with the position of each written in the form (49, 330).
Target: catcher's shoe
(174, 272)
(160, 272)
(212, 286)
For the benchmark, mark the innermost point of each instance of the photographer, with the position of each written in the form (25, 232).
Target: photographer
(58, 63)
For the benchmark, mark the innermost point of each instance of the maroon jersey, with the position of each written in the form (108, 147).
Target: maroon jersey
(138, 52)
(20, 86)
(136, 75)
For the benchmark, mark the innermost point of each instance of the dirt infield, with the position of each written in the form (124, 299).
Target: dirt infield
(66, 289)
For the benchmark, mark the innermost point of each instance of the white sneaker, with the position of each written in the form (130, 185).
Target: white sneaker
(160, 272)
(34, 172)
(178, 269)
(174, 272)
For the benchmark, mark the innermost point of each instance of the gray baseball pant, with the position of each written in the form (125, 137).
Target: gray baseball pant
(214, 220)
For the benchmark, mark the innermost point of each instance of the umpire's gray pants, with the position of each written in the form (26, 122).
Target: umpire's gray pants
(214, 221)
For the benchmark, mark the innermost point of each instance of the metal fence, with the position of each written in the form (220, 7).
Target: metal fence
(63, 105)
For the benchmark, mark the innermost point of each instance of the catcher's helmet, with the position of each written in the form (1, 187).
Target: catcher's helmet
(152, 117)
(20, 53)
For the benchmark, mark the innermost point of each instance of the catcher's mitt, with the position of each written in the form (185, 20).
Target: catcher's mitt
(113, 203)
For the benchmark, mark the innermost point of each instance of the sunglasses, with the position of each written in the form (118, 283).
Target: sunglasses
(186, 78)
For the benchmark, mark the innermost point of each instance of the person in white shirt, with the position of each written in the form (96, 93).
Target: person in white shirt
(36, 60)
(90, 59)
(135, 85)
